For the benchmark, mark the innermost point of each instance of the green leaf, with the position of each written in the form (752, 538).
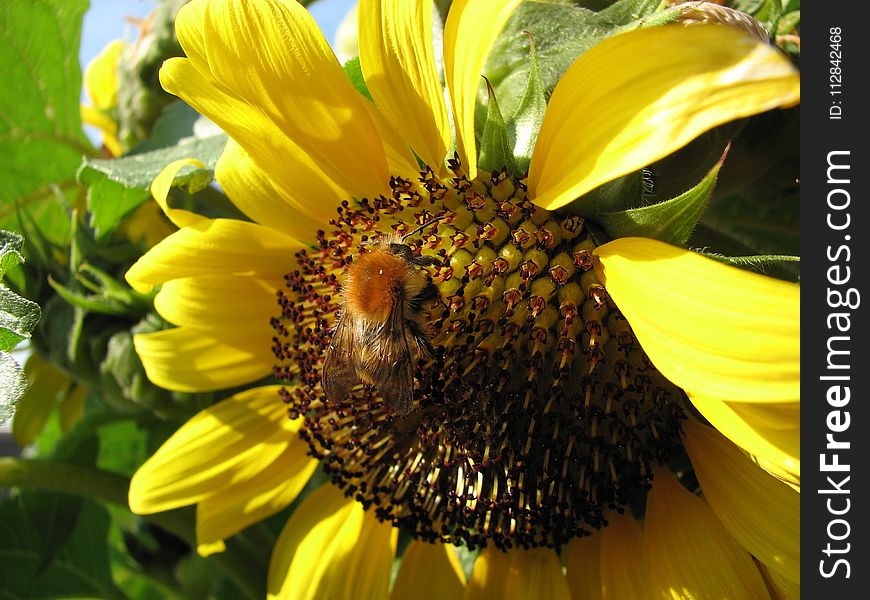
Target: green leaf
(670, 221)
(109, 202)
(12, 385)
(10, 250)
(354, 73)
(524, 125)
(139, 170)
(122, 447)
(54, 517)
(61, 340)
(788, 22)
(562, 33)
(119, 186)
(738, 224)
(495, 147)
(41, 138)
(80, 567)
(18, 316)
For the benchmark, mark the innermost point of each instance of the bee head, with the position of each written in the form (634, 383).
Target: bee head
(401, 250)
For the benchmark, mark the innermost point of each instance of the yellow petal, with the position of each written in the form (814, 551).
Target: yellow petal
(400, 159)
(160, 191)
(245, 502)
(45, 383)
(689, 554)
(782, 588)
(729, 337)
(710, 328)
(100, 79)
(71, 409)
(220, 303)
(260, 50)
(106, 124)
(762, 514)
(331, 548)
(777, 450)
(536, 573)
(147, 225)
(225, 444)
(187, 360)
(257, 194)
(469, 32)
(215, 247)
(489, 575)
(639, 96)
(291, 169)
(429, 571)
(623, 567)
(582, 558)
(398, 63)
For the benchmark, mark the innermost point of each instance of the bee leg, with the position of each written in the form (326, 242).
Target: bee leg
(429, 293)
(421, 340)
(426, 261)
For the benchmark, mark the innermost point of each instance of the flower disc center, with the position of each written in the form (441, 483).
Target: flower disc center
(537, 410)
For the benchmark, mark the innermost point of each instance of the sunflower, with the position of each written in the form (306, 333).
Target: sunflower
(571, 383)
(100, 82)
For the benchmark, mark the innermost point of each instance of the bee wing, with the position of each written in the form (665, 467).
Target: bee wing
(339, 374)
(398, 387)
(390, 363)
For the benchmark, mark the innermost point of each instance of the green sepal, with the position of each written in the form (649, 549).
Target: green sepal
(354, 72)
(525, 123)
(617, 195)
(781, 266)
(107, 297)
(670, 221)
(495, 145)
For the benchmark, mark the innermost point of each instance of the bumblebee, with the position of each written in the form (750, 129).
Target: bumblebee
(382, 324)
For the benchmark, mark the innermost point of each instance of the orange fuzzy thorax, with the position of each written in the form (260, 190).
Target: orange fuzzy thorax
(376, 280)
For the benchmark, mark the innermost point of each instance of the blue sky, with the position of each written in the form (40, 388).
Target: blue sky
(105, 21)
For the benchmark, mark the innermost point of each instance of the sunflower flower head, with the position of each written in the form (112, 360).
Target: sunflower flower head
(537, 409)
(555, 377)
